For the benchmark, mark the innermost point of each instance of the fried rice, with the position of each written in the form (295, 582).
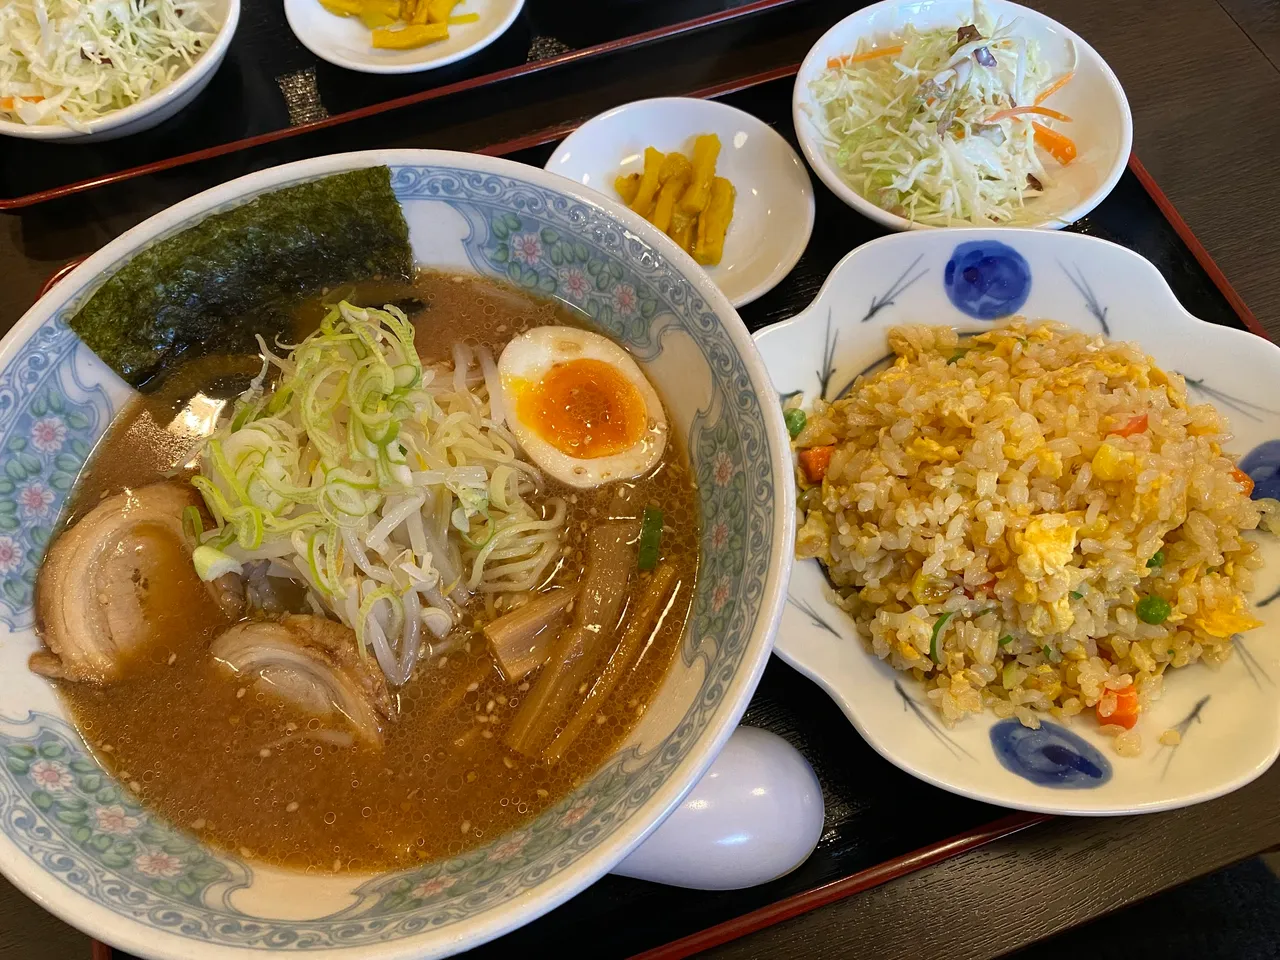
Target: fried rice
(1034, 521)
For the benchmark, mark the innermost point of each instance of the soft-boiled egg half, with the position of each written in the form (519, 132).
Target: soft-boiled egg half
(580, 406)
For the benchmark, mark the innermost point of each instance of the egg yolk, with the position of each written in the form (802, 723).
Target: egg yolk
(584, 408)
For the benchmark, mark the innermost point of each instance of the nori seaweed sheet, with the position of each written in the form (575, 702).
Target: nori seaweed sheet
(210, 288)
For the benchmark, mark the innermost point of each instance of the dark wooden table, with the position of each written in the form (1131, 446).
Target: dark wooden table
(1203, 78)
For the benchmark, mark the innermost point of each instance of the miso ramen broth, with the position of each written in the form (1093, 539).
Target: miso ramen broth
(257, 774)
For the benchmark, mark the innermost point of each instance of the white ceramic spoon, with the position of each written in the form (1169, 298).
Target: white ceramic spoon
(755, 816)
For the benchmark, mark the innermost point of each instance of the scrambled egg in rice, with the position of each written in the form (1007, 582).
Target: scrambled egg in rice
(1033, 520)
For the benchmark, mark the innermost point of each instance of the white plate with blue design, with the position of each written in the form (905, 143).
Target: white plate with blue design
(1229, 717)
(80, 845)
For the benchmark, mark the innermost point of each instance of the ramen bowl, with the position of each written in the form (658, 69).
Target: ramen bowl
(80, 844)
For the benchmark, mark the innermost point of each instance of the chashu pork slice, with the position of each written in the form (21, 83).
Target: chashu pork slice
(95, 580)
(312, 663)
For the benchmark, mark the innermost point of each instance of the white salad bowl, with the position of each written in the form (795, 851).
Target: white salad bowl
(79, 844)
(1102, 126)
(1228, 717)
(773, 210)
(346, 42)
(156, 108)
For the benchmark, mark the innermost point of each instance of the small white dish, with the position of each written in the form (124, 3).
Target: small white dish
(1102, 125)
(755, 816)
(155, 109)
(773, 210)
(346, 42)
(1229, 717)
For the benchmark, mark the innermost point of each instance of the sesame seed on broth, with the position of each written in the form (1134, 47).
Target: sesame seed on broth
(215, 754)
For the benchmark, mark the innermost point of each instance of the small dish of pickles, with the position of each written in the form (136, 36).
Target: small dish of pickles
(683, 197)
(402, 24)
(723, 185)
(398, 36)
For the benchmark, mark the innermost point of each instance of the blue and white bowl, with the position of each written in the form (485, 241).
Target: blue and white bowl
(79, 844)
(1229, 717)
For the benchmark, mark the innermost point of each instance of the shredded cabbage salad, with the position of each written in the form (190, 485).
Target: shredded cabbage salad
(74, 61)
(940, 126)
(393, 491)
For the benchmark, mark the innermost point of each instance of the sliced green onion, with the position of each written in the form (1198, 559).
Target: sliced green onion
(934, 654)
(213, 499)
(245, 414)
(490, 531)
(313, 565)
(1157, 560)
(333, 559)
(1005, 640)
(211, 563)
(795, 421)
(366, 608)
(225, 470)
(192, 524)
(1077, 595)
(650, 539)
(223, 538)
(252, 528)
